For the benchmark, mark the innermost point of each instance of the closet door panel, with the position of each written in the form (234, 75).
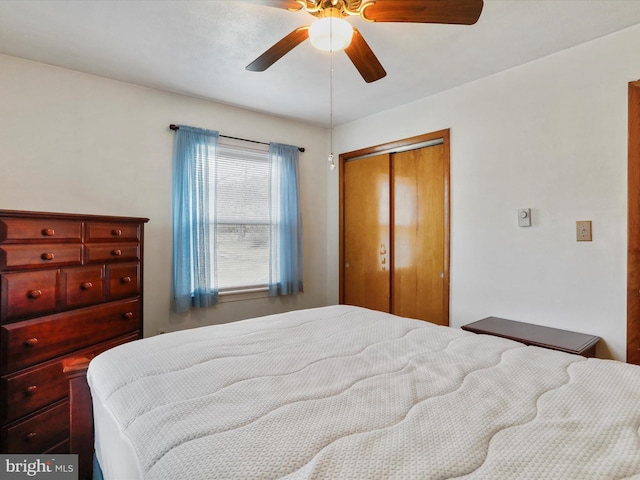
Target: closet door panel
(418, 186)
(367, 233)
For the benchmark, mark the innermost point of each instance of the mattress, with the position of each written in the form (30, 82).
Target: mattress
(343, 392)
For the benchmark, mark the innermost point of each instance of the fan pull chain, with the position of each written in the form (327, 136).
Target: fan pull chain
(332, 163)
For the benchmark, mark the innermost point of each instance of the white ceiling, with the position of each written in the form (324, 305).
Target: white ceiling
(200, 48)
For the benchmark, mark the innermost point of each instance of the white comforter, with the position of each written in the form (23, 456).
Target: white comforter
(347, 393)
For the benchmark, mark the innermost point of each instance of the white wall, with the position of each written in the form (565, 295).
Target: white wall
(550, 135)
(71, 142)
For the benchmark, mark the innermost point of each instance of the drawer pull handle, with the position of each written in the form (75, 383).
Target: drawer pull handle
(31, 390)
(47, 256)
(116, 232)
(127, 316)
(116, 252)
(48, 232)
(86, 286)
(35, 294)
(125, 280)
(31, 435)
(31, 342)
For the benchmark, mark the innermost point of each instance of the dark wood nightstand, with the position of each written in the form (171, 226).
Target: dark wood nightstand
(529, 334)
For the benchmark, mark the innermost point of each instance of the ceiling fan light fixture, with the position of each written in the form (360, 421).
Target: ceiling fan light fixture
(330, 34)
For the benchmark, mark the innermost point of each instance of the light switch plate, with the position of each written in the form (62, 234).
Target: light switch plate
(524, 217)
(583, 230)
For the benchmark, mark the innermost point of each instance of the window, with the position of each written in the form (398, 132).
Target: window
(236, 219)
(243, 221)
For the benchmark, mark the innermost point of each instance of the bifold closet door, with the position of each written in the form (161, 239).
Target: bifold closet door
(366, 251)
(418, 199)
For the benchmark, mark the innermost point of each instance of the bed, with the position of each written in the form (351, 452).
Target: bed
(343, 392)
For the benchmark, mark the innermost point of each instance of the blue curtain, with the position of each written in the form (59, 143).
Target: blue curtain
(285, 267)
(194, 283)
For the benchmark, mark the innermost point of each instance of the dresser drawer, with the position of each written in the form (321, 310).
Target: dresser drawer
(20, 229)
(110, 252)
(32, 389)
(123, 280)
(97, 231)
(39, 432)
(82, 286)
(27, 294)
(28, 390)
(33, 341)
(39, 255)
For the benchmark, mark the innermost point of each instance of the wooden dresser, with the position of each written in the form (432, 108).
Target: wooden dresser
(70, 285)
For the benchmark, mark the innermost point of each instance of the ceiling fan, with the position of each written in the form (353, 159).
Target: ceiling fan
(331, 15)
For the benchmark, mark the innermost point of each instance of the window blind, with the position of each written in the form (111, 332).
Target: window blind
(242, 212)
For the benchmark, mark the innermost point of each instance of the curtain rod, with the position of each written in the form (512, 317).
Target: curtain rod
(175, 127)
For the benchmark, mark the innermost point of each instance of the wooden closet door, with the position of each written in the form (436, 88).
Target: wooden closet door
(366, 249)
(418, 192)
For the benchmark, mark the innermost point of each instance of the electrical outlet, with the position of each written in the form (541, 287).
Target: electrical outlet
(583, 230)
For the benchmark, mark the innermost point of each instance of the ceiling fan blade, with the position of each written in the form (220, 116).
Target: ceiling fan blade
(462, 12)
(280, 49)
(364, 59)
(287, 4)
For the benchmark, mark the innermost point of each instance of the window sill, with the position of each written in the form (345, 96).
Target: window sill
(244, 294)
